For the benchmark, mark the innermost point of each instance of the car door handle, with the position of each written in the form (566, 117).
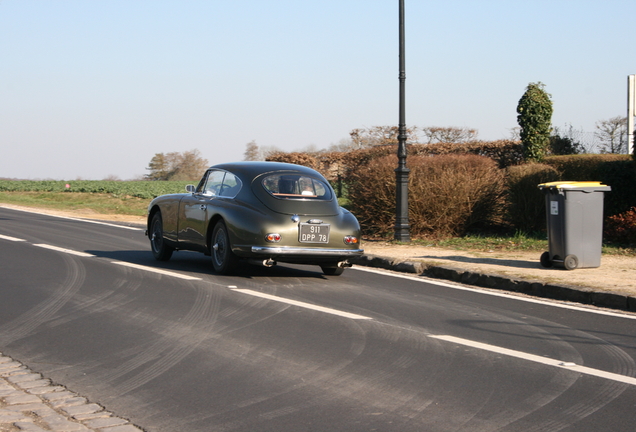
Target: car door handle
(203, 207)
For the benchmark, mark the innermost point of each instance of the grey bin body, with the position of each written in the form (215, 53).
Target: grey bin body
(574, 212)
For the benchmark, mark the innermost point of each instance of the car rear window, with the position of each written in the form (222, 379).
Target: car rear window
(296, 186)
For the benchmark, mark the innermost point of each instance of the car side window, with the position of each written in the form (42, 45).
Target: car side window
(220, 183)
(231, 186)
(213, 183)
(295, 186)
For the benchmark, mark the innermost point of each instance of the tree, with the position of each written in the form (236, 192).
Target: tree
(566, 141)
(188, 165)
(344, 145)
(252, 152)
(158, 167)
(534, 118)
(378, 135)
(612, 135)
(451, 134)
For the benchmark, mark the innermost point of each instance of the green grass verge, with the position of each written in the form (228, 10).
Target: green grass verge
(78, 201)
(517, 242)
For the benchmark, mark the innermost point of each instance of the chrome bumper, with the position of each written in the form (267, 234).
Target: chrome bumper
(305, 251)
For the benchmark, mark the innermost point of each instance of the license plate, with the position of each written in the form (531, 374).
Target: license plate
(313, 233)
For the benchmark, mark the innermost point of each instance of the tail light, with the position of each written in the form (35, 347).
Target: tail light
(351, 240)
(273, 237)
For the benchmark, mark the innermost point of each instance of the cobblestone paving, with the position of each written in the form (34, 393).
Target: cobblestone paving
(31, 403)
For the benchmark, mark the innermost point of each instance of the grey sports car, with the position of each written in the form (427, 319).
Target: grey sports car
(257, 212)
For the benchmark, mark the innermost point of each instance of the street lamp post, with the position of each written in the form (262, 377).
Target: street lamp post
(402, 172)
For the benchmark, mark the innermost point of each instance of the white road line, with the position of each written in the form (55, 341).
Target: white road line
(302, 304)
(538, 359)
(486, 291)
(72, 218)
(68, 251)
(13, 239)
(155, 270)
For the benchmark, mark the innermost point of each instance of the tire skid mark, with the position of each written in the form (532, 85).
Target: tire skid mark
(623, 363)
(563, 338)
(558, 384)
(183, 339)
(590, 403)
(100, 303)
(310, 374)
(46, 309)
(587, 405)
(200, 324)
(356, 377)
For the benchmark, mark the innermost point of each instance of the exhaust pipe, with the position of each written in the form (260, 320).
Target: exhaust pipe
(265, 263)
(344, 264)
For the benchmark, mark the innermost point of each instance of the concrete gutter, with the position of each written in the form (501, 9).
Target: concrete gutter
(570, 293)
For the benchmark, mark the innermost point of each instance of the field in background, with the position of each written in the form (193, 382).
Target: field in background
(94, 196)
(137, 189)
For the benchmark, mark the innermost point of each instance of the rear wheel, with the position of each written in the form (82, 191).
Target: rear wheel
(160, 250)
(545, 260)
(223, 259)
(331, 270)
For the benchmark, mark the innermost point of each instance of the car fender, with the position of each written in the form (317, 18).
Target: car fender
(168, 205)
(241, 219)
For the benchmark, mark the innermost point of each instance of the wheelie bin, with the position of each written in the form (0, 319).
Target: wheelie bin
(574, 212)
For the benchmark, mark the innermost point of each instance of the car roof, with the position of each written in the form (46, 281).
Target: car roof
(251, 169)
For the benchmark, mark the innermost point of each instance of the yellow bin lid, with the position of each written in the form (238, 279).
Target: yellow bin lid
(574, 185)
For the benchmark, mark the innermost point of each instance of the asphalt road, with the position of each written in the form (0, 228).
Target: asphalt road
(174, 347)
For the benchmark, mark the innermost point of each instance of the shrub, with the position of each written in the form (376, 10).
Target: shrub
(585, 167)
(371, 194)
(621, 228)
(504, 152)
(617, 171)
(448, 194)
(561, 145)
(525, 202)
(535, 116)
(294, 158)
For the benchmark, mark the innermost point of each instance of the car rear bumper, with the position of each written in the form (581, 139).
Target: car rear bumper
(300, 251)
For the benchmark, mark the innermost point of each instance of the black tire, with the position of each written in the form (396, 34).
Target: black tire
(545, 260)
(223, 259)
(160, 250)
(570, 262)
(332, 270)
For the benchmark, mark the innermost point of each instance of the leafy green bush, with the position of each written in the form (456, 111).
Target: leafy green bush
(535, 116)
(525, 209)
(448, 194)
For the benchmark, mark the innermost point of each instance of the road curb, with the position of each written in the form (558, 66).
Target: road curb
(571, 293)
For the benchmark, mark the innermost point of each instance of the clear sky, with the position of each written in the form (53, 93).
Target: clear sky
(94, 88)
